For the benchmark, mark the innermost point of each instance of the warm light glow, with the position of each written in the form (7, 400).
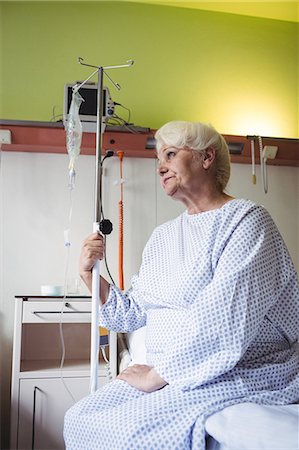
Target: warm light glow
(255, 119)
(246, 114)
(279, 10)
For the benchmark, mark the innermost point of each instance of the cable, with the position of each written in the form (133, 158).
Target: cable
(252, 147)
(129, 111)
(54, 115)
(108, 230)
(263, 166)
(107, 364)
(106, 263)
(124, 124)
(120, 154)
(128, 126)
(63, 351)
(108, 154)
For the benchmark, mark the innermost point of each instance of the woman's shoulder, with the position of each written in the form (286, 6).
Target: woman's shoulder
(246, 213)
(241, 204)
(240, 207)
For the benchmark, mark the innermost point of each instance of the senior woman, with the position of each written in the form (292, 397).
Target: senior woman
(218, 294)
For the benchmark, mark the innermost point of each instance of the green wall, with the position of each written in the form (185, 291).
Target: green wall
(239, 73)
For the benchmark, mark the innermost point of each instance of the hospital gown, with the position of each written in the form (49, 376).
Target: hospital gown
(219, 296)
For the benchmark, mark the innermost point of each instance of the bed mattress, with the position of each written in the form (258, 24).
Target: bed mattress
(248, 426)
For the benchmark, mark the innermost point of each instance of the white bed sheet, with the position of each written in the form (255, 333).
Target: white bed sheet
(249, 426)
(245, 426)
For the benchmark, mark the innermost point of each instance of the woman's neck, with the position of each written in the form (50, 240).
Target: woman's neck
(207, 203)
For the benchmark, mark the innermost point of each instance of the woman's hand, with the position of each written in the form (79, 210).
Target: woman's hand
(142, 377)
(93, 249)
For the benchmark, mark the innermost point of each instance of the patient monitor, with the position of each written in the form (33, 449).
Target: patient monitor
(88, 108)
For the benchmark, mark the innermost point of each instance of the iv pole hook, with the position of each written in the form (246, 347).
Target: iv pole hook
(130, 62)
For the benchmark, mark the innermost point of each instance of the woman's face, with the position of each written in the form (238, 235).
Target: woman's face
(180, 171)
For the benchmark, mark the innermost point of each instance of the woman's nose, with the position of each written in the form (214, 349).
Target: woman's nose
(161, 169)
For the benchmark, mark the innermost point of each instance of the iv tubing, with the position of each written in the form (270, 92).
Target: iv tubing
(67, 245)
(121, 223)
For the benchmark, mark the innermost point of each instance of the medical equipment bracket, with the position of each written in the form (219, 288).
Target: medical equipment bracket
(94, 347)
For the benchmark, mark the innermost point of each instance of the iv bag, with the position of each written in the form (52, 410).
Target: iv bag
(73, 129)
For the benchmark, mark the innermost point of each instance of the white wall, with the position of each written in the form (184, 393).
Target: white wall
(35, 203)
(282, 199)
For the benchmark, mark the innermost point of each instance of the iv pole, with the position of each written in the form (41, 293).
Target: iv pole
(94, 344)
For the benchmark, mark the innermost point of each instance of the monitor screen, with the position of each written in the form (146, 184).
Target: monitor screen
(88, 108)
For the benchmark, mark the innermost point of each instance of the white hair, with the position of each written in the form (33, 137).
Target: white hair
(199, 137)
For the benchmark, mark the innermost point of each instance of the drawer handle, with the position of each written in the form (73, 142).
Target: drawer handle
(33, 414)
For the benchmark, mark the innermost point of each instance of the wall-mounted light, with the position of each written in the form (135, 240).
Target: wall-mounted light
(235, 148)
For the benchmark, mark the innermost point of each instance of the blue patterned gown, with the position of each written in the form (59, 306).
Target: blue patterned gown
(220, 298)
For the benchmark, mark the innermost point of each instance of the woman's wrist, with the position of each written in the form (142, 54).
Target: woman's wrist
(105, 289)
(86, 277)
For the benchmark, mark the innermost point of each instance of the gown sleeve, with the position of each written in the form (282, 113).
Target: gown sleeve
(252, 269)
(123, 311)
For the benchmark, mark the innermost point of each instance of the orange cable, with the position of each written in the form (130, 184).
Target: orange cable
(121, 227)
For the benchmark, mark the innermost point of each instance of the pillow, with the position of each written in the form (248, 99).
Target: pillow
(248, 426)
(136, 346)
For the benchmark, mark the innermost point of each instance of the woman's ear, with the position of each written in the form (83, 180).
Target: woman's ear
(208, 157)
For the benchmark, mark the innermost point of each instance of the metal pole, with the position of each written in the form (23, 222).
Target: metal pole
(99, 135)
(95, 335)
(94, 345)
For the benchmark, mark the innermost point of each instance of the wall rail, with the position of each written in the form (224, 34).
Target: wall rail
(49, 137)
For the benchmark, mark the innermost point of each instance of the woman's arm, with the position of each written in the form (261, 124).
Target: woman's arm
(121, 311)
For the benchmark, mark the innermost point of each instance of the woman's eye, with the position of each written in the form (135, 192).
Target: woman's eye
(170, 154)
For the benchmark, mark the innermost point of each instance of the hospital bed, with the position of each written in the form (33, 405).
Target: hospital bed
(248, 426)
(245, 426)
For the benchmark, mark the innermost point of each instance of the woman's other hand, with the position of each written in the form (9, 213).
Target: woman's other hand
(142, 377)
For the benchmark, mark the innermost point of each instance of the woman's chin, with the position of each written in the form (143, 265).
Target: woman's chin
(171, 189)
(171, 193)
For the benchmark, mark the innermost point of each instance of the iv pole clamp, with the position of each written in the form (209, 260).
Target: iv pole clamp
(94, 347)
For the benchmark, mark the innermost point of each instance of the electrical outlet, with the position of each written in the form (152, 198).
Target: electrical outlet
(5, 137)
(269, 151)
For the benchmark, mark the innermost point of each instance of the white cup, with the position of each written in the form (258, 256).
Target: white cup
(51, 291)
